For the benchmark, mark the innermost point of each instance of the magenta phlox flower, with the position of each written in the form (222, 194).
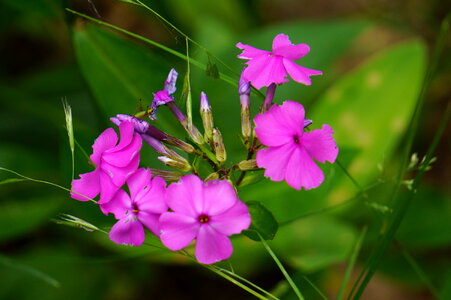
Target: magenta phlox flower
(208, 212)
(291, 151)
(164, 96)
(268, 67)
(142, 208)
(113, 164)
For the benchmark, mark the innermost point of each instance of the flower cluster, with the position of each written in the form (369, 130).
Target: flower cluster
(180, 206)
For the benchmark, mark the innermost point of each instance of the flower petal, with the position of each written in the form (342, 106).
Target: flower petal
(126, 131)
(250, 52)
(232, 221)
(302, 171)
(275, 160)
(120, 174)
(105, 141)
(151, 221)
(152, 200)
(280, 124)
(177, 230)
(299, 73)
(121, 157)
(265, 70)
(87, 187)
(118, 205)
(138, 181)
(212, 246)
(320, 144)
(186, 196)
(282, 46)
(219, 196)
(107, 188)
(128, 231)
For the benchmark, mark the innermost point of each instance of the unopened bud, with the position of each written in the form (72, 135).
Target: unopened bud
(244, 86)
(192, 131)
(207, 117)
(307, 123)
(212, 176)
(218, 143)
(183, 166)
(166, 175)
(246, 165)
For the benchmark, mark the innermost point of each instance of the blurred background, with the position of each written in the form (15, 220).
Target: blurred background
(373, 54)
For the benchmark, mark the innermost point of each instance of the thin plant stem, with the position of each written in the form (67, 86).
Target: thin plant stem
(352, 261)
(282, 268)
(236, 282)
(248, 282)
(403, 201)
(45, 182)
(357, 185)
(189, 105)
(315, 288)
(416, 267)
(194, 62)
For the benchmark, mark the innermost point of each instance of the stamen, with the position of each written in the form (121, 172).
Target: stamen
(204, 218)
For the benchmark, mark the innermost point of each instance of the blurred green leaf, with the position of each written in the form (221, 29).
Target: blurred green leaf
(425, 221)
(19, 217)
(263, 222)
(11, 180)
(119, 72)
(370, 107)
(314, 243)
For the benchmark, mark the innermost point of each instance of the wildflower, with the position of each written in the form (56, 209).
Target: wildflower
(265, 67)
(208, 212)
(141, 209)
(114, 163)
(165, 96)
(291, 150)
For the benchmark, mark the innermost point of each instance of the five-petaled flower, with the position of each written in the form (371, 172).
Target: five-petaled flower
(291, 150)
(208, 212)
(265, 67)
(113, 164)
(142, 208)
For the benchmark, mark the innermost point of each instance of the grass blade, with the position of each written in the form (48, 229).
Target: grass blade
(9, 263)
(70, 132)
(402, 203)
(194, 62)
(315, 288)
(352, 261)
(281, 267)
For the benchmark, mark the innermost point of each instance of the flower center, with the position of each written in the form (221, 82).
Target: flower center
(296, 139)
(204, 219)
(135, 208)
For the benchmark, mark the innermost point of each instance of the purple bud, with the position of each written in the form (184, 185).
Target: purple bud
(204, 105)
(244, 86)
(307, 123)
(141, 126)
(169, 84)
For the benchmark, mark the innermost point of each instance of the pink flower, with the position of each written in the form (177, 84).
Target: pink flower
(208, 212)
(265, 68)
(141, 209)
(291, 150)
(114, 163)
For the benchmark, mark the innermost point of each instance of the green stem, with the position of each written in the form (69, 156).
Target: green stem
(316, 288)
(281, 267)
(351, 264)
(196, 63)
(45, 182)
(232, 280)
(403, 201)
(248, 282)
(189, 105)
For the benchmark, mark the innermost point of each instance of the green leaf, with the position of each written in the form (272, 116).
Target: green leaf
(314, 243)
(370, 108)
(11, 180)
(212, 69)
(263, 222)
(119, 72)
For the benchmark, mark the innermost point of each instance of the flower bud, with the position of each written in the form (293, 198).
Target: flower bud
(218, 143)
(192, 131)
(247, 165)
(207, 117)
(212, 176)
(183, 166)
(307, 123)
(244, 89)
(166, 175)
